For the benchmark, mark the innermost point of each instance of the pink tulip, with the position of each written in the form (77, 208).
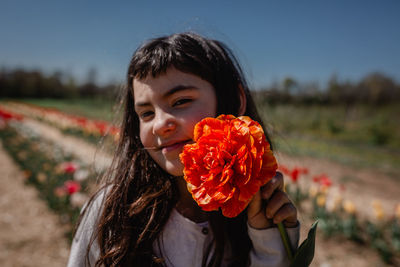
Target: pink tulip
(69, 167)
(72, 187)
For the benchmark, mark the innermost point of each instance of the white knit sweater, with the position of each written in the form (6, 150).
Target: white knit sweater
(183, 242)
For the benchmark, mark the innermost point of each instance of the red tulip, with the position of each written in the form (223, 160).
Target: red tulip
(72, 187)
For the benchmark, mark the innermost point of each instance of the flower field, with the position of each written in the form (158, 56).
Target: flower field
(91, 130)
(65, 182)
(62, 180)
(339, 217)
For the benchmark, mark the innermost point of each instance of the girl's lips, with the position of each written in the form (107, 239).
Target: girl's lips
(174, 146)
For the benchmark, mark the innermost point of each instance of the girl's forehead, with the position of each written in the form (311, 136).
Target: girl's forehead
(168, 80)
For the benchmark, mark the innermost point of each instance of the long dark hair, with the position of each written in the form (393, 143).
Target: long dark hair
(140, 195)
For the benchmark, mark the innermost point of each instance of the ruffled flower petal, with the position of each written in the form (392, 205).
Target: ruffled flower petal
(228, 164)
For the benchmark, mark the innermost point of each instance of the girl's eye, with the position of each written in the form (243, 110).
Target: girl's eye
(146, 114)
(182, 102)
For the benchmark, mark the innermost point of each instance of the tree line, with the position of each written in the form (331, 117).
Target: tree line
(375, 88)
(21, 83)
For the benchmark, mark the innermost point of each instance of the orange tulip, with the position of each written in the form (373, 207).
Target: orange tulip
(228, 163)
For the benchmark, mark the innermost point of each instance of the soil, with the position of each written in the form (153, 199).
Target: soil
(31, 235)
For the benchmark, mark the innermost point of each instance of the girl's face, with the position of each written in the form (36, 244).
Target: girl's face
(168, 108)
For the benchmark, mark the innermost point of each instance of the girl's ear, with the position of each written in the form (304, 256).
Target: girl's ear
(243, 101)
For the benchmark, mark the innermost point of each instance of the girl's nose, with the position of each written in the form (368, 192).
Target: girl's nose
(164, 125)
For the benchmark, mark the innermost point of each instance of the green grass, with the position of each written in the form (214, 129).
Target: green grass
(354, 155)
(358, 136)
(360, 124)
(93, 108)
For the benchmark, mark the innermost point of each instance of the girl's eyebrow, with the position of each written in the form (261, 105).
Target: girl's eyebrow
(170, 92)
(179, 88)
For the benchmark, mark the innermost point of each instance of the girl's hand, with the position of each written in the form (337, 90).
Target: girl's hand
(271, 206)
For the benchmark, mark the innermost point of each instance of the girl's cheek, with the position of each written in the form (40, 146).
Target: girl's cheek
(143, 134)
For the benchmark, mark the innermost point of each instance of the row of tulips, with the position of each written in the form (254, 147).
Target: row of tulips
(336, 215)
(62, 181)
(91, 130)
(339, 217)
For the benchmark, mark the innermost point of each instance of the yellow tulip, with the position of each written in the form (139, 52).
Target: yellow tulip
(349, 207)
(313, 191)
(378, 210)
(321, 200)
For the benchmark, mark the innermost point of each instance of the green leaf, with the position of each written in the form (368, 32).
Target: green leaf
(305, 253)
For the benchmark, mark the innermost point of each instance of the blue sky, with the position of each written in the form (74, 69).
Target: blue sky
(306, 40)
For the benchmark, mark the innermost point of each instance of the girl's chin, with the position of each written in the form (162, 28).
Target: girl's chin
(171, 165)
(175, 172)
(175, 169)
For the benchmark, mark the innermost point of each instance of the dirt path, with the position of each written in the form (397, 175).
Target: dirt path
(84, 151)
(362, 186)
(336, 252)
(30, 234)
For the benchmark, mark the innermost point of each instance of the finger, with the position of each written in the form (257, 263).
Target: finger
(255, 205)
(275, 183)
(278, 199)
(286, 214)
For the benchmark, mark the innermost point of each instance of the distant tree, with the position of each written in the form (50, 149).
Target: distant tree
(377, 88)
(92, 75)
(289, 85)
(4, 88)
(90, 88)
(309, 93)
(71, 87)
(334, 90)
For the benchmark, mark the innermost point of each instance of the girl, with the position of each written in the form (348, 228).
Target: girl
(144, 215)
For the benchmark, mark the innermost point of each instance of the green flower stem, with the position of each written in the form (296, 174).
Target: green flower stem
(286, 241)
